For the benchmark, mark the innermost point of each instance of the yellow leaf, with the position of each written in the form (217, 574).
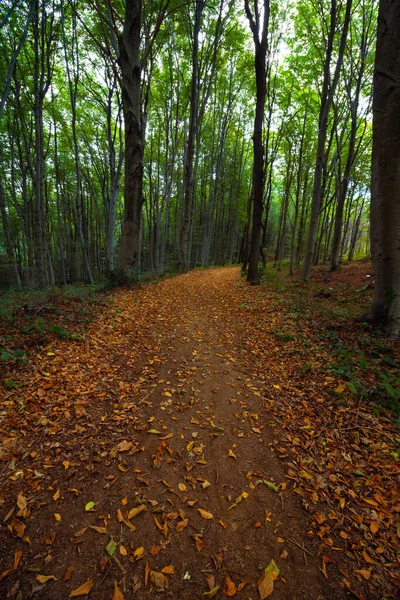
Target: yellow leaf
(139, 552)
(205, 514)
(123, 550)
(182, 487)
(17, 558)
(232, 454)
(57, 516)
(340, 388)
(280, 540)
(305, 475)
(56, 495)
(212, 592)
(21, 502)
(45, 578)
(83, 590)
(117, 595)
(136, 511)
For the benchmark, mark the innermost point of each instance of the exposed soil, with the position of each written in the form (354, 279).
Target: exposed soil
(194, 400)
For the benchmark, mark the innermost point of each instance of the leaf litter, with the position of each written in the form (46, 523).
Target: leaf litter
(212, 381)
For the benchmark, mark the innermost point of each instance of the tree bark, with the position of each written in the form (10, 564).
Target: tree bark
(130, 63)
(260, 39)
(385, 181)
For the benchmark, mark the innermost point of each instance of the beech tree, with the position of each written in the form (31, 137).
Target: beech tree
(385, 181)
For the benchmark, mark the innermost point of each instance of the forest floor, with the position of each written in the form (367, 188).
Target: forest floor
(199, 437)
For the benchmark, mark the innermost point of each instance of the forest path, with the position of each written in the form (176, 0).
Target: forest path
(160, 409)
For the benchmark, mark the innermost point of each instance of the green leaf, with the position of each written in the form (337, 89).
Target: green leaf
(212, 592)
(111, 547)
(271, 486)
(89, 506)
(272, 568)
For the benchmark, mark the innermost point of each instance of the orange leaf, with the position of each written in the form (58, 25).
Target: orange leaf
(83, 590)
(45, 578)
(180, 526)
(168, 570)
(364, 573)
(199, 542)
(21, 501)
(117, 595)
(146, 574)
(367, 558)
(17, 558)
(230, 588)
(68, 573)
(266, 585)
(374, 527)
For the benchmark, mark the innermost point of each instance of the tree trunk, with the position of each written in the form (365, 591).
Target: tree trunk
(260, 46)
(130, 63)
(328, 92)
(385, 182)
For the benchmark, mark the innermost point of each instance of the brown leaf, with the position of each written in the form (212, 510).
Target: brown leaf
(124, 446)
(123, 550)
(98, 529)
(230, 588)
(159, 580)
(374, 527)
(82, 590)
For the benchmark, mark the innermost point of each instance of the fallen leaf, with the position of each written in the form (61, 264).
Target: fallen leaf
(138, 553)
(364, 573)
(83, 590)
(17, 559)
(206, 515)
(123, 551)
(68, 573)
(212, 592)
(168, 570)
(136, 511)
(98, 529)
(374, 527)
(271, 486)
(230, 588)
(159, 580)
(21, 502)
(232, 454)
(45, 578)
(117, 594)
(111, 547)
(266, 585)
(182, 487)
(124, 446)
(199, 542)
(89, 506)
(180, 526)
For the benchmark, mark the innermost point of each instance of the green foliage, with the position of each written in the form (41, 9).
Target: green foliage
(18, 356)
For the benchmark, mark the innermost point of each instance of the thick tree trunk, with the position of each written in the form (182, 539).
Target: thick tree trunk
(260, 46)
(385, 183)
(130, 63)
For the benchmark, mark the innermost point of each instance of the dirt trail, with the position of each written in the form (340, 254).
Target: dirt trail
(157, 410)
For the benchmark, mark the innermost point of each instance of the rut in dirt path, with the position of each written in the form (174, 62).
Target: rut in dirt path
(140, 463)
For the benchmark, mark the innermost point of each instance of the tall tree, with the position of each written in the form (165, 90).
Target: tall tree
(327, 95)
(260, 39)
(385, 182)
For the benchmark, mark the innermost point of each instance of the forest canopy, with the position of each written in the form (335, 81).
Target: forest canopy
(104, 101)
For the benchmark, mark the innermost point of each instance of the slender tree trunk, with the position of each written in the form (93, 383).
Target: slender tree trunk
(328, 92)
